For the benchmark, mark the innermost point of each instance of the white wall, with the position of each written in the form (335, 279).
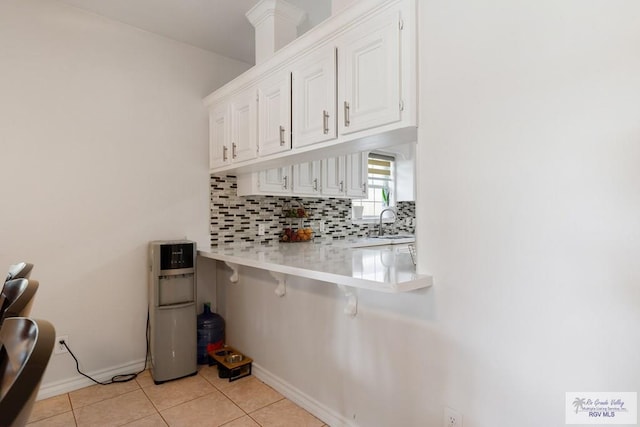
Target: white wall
(528, 218)
(103, 141)
(529, 201)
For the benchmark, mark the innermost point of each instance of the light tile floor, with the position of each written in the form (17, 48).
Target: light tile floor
(200, 400)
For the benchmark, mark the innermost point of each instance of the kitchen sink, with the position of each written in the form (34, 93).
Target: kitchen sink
(394, 239)
(394, 236)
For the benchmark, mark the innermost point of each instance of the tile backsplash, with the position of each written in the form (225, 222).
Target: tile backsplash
(236, 219)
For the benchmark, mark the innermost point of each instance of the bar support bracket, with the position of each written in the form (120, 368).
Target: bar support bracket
(351, 308)
(281, 278)
(234, 269)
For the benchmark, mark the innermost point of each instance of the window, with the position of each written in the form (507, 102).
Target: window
(380, 183)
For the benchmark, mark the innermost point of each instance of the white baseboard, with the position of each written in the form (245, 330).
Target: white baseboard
(326, 414)
(77, 382)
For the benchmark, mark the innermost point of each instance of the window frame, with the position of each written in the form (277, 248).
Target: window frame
(374, 181)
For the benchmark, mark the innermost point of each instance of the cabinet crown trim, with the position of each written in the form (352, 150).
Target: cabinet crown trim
(267, 8)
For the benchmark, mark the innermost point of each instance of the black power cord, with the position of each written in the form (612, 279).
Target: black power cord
(122, 378)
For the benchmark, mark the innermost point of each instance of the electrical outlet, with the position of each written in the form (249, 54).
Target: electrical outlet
(452, 418)
(321, 226)
(260, 229)
(59, 348)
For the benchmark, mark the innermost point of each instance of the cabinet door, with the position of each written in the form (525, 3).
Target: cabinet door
(356, 172)
(306, 178)
(274, 114)
(333, 176)
(275, 181)
(369, 66)
(244, 123)
(219, 136)
(314, 98)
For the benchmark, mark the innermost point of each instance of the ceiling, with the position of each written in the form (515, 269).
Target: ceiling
(218, 26)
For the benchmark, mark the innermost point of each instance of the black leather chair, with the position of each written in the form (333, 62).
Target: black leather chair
(21, 270)
(16, 298)
(25, 348)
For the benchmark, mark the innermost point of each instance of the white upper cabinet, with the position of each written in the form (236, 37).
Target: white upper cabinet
(219, 136)
(340, 176)
(244, 123)
(334, 176)
(233, 130)
(369, 74)
(346, 86)
(314, 97)
(273, 181)
(356, 175)
(274, 114)
(307, 178)
(345, 176)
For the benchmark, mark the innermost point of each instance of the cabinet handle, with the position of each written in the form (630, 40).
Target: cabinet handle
(284, 182)
(281, 135)
(233, 150)
(347, 120)
(224, 153)
(315, 184)
(341, 186)
(325, 121)
(364, 188)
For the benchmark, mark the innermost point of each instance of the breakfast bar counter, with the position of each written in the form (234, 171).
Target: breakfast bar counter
(384, 268)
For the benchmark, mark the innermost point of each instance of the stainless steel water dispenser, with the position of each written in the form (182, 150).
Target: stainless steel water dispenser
(172, 309)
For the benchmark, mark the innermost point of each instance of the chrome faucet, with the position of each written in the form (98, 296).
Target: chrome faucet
(395, 217)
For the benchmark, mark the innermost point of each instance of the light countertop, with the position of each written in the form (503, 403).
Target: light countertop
(383, 268)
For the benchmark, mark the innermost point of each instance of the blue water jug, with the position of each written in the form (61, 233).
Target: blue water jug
(210, 333)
